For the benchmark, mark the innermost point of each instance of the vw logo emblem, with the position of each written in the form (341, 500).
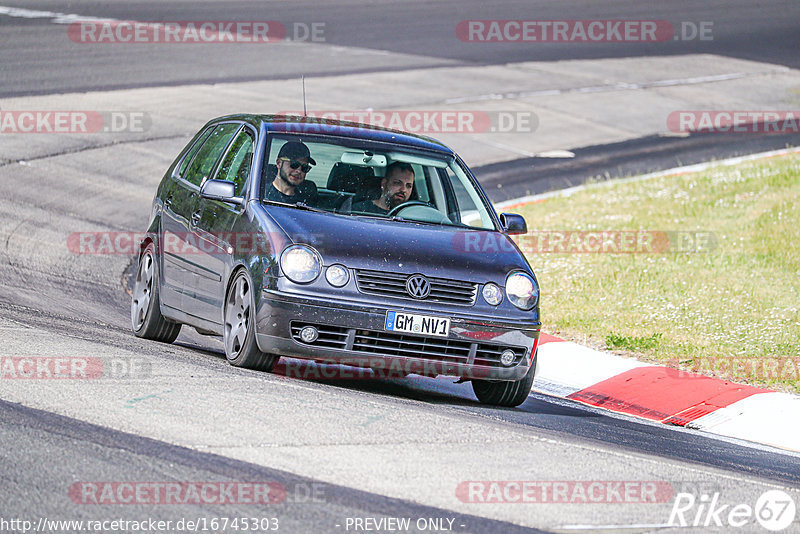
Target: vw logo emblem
(418, 286)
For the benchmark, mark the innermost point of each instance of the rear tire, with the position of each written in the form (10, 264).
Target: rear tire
(239, 334)
(146, 319)
(508, 394)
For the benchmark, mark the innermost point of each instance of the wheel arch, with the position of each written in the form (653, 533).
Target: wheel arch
(253, 269)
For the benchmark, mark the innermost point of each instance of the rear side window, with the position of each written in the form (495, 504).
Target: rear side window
(236, 165)
(203, 162)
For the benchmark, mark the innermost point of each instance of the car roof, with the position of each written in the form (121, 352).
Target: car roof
(291, 124)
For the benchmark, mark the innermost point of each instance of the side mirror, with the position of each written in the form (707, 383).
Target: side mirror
(220, 190)
(513, 224)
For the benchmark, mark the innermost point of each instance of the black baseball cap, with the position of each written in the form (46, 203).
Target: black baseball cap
(295, 150)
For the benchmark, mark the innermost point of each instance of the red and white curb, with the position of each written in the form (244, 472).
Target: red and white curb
(666, 395)
(663, 394)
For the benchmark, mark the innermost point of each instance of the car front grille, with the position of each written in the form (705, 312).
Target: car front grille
(443, 290)
(406, 345)
(409, 346)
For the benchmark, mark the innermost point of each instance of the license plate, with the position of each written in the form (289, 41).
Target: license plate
(417, 324)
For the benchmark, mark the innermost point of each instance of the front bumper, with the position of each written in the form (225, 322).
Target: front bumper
(355, 336)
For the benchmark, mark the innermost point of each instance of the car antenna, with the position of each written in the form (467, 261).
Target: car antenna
(303, 78)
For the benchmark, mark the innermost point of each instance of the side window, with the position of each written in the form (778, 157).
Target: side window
(193, 150)
(422, 177)
(236, 165)
(463, 208)
(203, 163)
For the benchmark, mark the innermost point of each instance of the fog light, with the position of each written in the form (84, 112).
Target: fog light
(492, 294)
(309, 334)
(336, 275)
(507, 358)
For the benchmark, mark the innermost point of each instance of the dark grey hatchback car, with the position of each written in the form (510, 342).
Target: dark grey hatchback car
(341, 243)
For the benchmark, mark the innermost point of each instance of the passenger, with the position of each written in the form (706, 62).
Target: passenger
(396, 188)
(290, 185)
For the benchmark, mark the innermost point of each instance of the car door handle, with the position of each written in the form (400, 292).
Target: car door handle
(196, 217)
(168, 200)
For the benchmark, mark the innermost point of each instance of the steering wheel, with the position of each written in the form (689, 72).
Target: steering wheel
(400, 207)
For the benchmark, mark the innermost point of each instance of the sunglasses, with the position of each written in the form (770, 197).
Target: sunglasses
(294, 164)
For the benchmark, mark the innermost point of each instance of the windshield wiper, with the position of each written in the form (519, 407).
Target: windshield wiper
(429, 223)
(380, 217)
(397, 218)
(299, 205)
(303, 205)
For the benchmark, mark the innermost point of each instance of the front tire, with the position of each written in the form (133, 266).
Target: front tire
(146, 319)
(509, 394)
(239, 334)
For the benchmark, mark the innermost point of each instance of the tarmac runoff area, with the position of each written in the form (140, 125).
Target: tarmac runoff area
(690, 400)
(545, 109)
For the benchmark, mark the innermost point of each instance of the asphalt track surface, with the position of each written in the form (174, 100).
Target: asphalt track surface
(531, 176)
(38, 62)
(375, 448)
(48, 448)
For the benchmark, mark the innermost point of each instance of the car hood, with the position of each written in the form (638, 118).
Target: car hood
(408, 247)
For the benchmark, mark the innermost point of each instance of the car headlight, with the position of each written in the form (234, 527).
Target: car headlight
(522, 290)
(492, 294)
(336, 275)
(300, 263)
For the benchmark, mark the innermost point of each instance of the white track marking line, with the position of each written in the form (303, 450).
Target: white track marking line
(618, 86)
(55, 17)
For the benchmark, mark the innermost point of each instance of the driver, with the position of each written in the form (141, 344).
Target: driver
(290, 185)
(396, 188)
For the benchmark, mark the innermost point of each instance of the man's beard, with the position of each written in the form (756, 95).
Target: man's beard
(285, 177)
(393, 201)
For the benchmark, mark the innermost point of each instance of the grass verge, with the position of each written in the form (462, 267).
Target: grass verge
(709, 281)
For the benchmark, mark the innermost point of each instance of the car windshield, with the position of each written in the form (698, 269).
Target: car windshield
(361, 181)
